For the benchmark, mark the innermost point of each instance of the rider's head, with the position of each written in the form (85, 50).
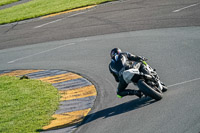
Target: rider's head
(114, 52)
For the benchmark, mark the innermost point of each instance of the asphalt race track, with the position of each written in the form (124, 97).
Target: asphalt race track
(115, 17)
(165, 32)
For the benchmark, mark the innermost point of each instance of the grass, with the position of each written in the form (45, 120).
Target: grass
(26, 105)
(38, 8)
(5, 2)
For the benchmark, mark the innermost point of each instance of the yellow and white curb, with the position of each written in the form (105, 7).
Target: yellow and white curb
(77, 96)
(64, 12)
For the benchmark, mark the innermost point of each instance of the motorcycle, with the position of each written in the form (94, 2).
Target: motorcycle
(148, 83)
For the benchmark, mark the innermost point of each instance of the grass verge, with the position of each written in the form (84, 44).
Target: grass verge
(38, 8)
(5, 2)
(26, 105)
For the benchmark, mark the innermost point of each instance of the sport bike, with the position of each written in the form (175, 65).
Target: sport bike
(147, 81)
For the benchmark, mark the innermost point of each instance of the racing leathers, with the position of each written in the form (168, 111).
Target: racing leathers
(121, 63)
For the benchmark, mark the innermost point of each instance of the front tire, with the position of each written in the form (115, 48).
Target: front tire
(149, 91)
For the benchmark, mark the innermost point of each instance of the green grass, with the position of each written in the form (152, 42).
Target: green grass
(38, 8)
(26, 105)
(5, 2)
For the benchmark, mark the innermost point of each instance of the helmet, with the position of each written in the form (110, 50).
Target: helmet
(114, 52)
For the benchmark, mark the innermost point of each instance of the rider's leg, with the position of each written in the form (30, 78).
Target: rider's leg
(121, 90)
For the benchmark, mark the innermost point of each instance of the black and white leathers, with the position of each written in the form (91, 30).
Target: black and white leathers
(120, 63)
(123, 61)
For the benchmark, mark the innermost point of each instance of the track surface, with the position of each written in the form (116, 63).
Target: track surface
(173, 51)
(119, 16)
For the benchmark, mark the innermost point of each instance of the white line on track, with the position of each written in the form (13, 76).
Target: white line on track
(76, 14)
(48, 23)
(184, 82)
(42, 52)
(178, 10)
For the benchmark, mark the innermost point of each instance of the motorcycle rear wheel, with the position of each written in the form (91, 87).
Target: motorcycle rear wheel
(149, 91)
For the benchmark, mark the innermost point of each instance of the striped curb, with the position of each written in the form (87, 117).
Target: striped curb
(68, 11)
(77, 96)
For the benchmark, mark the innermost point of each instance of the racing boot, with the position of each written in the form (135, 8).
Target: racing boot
(138, 93)
(130, 92)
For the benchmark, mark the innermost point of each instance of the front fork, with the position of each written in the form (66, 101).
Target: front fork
(160, 86)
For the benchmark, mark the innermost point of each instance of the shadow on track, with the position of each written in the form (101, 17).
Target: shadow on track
(119, 109)
(109, 112)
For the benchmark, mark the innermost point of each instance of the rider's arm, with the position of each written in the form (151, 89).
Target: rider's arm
(135, 57)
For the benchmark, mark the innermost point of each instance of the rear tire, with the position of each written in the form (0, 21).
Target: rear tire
(149, 91)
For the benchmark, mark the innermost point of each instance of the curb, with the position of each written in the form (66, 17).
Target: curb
(77, 96)
(68, 11)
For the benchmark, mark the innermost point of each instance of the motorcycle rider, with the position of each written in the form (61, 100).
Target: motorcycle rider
(121, 65)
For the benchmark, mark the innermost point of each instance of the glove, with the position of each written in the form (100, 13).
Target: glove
(144, 59)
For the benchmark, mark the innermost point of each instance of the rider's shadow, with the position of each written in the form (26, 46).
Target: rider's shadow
(119, 109)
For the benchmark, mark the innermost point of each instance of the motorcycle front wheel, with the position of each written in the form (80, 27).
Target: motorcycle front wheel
(149, 91)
